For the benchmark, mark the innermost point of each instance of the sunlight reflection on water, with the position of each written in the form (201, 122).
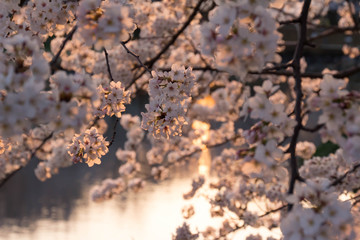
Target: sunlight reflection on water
(153, 213)
(60, 208)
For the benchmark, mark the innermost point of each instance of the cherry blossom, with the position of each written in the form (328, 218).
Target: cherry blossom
(216, 77)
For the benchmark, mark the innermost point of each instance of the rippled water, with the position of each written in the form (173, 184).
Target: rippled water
(60, 208)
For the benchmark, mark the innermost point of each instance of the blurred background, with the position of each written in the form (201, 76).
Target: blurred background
(60, 208)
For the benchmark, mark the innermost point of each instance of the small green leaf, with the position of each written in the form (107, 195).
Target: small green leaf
(325, 149)
(136, 34)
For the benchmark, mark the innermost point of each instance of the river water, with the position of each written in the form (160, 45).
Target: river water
(60, 208)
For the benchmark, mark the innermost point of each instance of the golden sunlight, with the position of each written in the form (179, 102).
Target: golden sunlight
(202, 129)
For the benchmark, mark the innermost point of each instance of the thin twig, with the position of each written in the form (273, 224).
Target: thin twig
(245, 225)
(341, 74)
(136, 56)
(208, 146)
(294, 169)
(195, 68)
(108, 65)
(54, 61)
(152, 61)
(332, 31)
(114, 132)
(4, 180)
(340, 179)
(314, 129)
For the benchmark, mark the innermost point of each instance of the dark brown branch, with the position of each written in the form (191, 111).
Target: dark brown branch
(294, 169)
(286, 73)
(196, 68)
(54, 63)
(152, 61)
(199, 149)
(355, 203)
(108, 65)
(315, 129)
(348, 72)
(272, 71)
(357, 200)
(112, 79)
(278, 67)
(273, 211)
(342, 74)
(332, 31)
(3, 181)
(136, 56)
(261, 216)
(322, 34)
(296, 20)
(340, 179)
(114, 132)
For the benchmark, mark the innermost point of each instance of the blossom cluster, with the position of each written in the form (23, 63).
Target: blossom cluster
(57, 158)
(45, 17)
(107, 189)
(135, 133)
(112, 99)
(169, 97)
(274, 126)
(318, 212)
(56, 95)
(339, 115)
(104, 23)
(126, 181)
(13, 155)
(223, 104)
(237, 47)
(130, 166)
(22, 82)
(88, 146)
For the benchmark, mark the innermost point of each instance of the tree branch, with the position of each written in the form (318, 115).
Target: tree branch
(3, 181)
(108, 65)
(114, 132)
(200, 150)
(294, 171)
(152, 61)
(54, 64)
(271, 71)
(136, 56)
(315, 129)
(340, 179)
(261, 216)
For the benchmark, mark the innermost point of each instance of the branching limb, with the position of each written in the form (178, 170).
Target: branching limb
(108, 65)
(239, 227)
(294, 171)
(152, 61)
(340, 179)
(54, 64)
(3, 181)
(114, 132)
(207, 146)
(314, 129)
(136, 56)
